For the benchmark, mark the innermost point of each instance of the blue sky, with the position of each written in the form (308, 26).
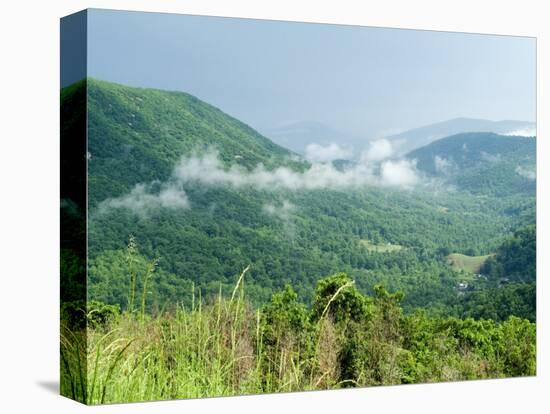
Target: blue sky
(364, 81)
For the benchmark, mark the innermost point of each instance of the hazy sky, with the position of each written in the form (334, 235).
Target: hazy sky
(364, 81)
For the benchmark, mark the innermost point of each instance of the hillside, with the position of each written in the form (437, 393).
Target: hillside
(510, 276)
(218, 219)
(131, 140)
(481, 162)
(516, 258)
(412, 139)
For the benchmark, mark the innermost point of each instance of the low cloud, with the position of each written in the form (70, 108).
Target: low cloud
(331, 152)
(400, 173)
(378, 150)
(209, 170)
(523, 132)
(282, 212)
(526, 173)
(143, 198)
(443, 165)
(492, 158)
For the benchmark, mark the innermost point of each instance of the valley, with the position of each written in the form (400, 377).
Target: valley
(205, 226)
(304, 274)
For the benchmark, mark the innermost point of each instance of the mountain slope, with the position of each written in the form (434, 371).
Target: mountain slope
(137, 135)
(418, 137)
(287, 235)
(481, 162)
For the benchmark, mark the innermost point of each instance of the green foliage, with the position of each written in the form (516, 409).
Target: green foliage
(516, 258)
(111, 280)
(77, 315)
(337, 298)
(518, 347)
(481, 162)
(100, 314)
(225, 348)
(131, 141)
(510, 288)
(137, 135)
(286, 337)
(499, 303)
(284, 316)
(208, 244)
(292, 330)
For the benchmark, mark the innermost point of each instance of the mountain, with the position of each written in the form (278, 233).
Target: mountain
(415, 138)
(297, 136)
(481, 162)
(137, 135)
(289, 235)
(156, 225)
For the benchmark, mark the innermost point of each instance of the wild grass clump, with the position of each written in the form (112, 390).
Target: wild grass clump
(224, 346)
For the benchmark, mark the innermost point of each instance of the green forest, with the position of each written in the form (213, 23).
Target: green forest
(204, 276)
(227, 346)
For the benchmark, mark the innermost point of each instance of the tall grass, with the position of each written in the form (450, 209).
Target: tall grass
(224, 346)
(209, 349)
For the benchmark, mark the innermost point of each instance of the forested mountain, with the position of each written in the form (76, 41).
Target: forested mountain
(298, 135)
(137, 135)
(418, 137)
(482, 162)
(206, 225)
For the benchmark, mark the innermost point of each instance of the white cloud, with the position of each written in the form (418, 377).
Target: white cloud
(400, 173)
(282, 212)
(331, 152)
(522, 132)
(142, 199)
(209, 170)
(492, 158)
(378, 150)
(526, 173)
(443, 165)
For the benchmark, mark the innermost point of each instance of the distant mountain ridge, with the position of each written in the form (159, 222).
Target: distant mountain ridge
(418, 137)
(481, 162)
(298, 135)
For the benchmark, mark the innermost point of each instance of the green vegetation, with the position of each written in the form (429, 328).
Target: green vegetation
(498, 303)
(132, 142)
(226, 347)
(137, 135)
(509, 281)
(516, 258)
(168, 322)
(482, 163)
(467, 263)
